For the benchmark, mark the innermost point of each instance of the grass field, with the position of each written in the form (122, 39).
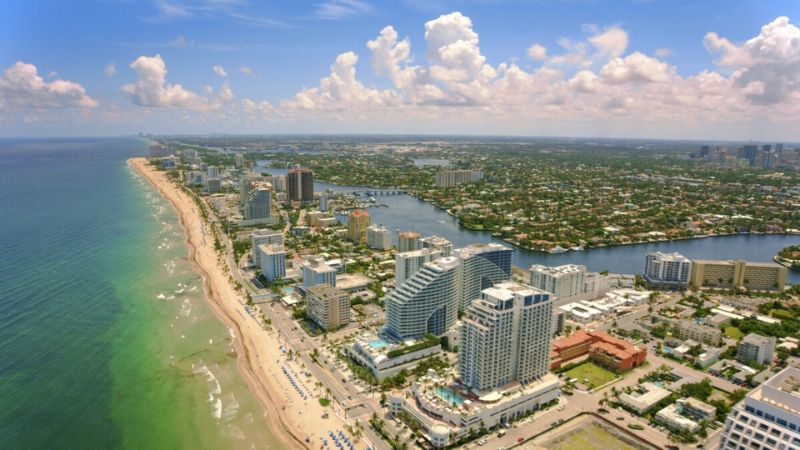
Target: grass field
(591, 375)
(733, 333)
(591, 437)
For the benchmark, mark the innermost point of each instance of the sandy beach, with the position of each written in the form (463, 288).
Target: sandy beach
(267, 371)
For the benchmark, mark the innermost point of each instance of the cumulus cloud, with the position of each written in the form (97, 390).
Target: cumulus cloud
(635, 67)
(152, 89)
(537, 52)
(612, 42)
(21, 87)
(766, 67)
(220, 71)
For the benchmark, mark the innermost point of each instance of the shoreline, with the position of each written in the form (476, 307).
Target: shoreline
(547, 252)
(260, 373)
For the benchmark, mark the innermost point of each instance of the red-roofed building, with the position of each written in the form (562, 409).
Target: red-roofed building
(616, 354)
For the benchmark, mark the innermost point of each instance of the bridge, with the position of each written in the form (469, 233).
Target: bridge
(377, 192)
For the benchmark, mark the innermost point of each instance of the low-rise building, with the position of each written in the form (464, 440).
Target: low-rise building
(738, 273)
(689, 329)
(615, 354)
(384, 358)
(643, 397)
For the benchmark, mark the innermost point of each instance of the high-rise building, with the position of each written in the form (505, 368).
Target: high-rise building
(258, 203)
(505, 337)
(450, 178)
(429, 300)
(300, 185)
(379, 237)
(323, 202)
(328, 306)
(426, 303)
(408, 241)
(317, 271)
(272, 261)
(755, 347)
(768, 417)
(704, 150)
(438, 243)
(667, 269)
(563, 281)
(264, 237)
(750, 153)
(409, 263)
(246, 183)
(357, 223)
(238, 160)
(212, 172)
(482, 265)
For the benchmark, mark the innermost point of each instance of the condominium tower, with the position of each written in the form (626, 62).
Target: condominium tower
(768, 417)
(379, 237)
(317, 271)
(328, 306)
(300, 185)
(505, 337)
(409, 241)
(667, 269)
(357, 223)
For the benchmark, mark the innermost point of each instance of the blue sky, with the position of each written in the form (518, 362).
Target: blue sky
(270, 51)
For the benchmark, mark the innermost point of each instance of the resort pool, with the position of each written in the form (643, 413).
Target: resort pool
(288, 291)
(378, 343)
(449, 395)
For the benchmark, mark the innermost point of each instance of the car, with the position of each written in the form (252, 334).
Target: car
(520, 439)
(482, 442)
(620, 418)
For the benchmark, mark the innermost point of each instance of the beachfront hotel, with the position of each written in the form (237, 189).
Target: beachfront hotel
(263, 237)
(768, 417)
(272, 261)
(328, 306)
(406, 264)
(503, 368)
(429, 301)
(384, 358)
(257, 207)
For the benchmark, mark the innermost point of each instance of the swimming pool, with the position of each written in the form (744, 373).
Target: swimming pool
(378, 343)
(449, 395)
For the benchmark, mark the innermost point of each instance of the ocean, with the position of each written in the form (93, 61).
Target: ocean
(106, 340)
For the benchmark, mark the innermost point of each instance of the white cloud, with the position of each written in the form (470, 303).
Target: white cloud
(341, 9)
(21, 87)
(152, 89)
(664, 52)
(220, 71)
(110, 70)
(766, 67)
(610, 43)
(585, 81)
(246, 70)
(537, 52)
(635, 67)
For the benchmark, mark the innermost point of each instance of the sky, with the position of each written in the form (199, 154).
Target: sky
(662, 69)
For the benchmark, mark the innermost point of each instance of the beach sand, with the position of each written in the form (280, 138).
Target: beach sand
(291, 418)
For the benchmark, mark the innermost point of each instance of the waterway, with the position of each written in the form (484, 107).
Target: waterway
(404, 212)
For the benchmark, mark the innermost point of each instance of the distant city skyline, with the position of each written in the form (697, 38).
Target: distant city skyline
(652, 69)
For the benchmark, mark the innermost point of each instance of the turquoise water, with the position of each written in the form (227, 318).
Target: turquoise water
(106, 340)
(378, 343)
(449, 395)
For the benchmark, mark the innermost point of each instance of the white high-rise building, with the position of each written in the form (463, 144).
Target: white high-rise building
(667, 269)
(438, 243)
(272, 260)
(563, 281)
(264, 237)
(429, 300)
(379, 237)
(482, 265)
(212, 172)
(768, 417)
(317, 271)
(406, 264)
(505, 337)
(426, 303)
(408, 241)
(450, 178)
(755, 347)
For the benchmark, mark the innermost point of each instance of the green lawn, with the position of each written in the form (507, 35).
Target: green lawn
(324, 402)
(733, 333)
(591, 375)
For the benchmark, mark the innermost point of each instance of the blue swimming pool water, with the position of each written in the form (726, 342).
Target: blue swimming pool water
(449, 395)
(378, 343)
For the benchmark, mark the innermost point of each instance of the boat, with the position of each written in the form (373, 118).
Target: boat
(577, 248)
(558, 249)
